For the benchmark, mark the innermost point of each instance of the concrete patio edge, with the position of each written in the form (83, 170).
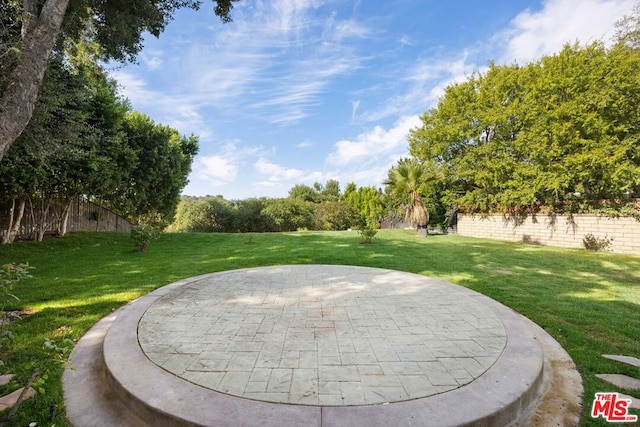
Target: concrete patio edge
(509, 389)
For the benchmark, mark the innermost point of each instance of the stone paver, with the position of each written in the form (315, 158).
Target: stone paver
(327, 336)
(629, 360)
(635, 403)
(622, 381)
(11, 399)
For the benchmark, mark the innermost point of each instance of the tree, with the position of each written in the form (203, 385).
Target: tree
(248, 216)
(303, 192)
(628, 29)
(560, 133)
(408, 180)
(367, 201)
(203, 215)
(73, 146)
(163, 163)
(335, 215)
(330, 192)
(116, 25)
(289, 214)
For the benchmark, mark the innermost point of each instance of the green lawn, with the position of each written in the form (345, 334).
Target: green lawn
(589, 302)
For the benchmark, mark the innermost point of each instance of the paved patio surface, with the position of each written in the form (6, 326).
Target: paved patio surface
(329, 335)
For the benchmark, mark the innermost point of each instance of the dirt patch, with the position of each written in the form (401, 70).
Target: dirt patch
(7, 317)
(561, 404)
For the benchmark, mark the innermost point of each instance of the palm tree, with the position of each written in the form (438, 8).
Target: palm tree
(406, 181)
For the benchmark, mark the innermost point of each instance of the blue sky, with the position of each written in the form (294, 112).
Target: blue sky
(299, 91)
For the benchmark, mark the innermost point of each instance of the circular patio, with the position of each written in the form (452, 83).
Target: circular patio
(319, 345)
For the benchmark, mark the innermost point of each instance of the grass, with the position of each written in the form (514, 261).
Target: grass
(589, 302)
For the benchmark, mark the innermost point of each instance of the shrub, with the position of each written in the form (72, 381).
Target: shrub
(367, 233)
(143, 234)
(335, 216)
(10, 274)
(597, 244)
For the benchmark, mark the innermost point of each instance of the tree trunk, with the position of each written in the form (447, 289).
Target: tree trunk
(64, 224)
(6, 234)
(19, 99)
(15, 221)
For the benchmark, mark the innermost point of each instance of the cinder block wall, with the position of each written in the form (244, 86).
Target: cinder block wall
(554, 230)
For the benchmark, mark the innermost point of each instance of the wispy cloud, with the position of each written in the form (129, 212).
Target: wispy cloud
(420, 86)
(296, 74)
(405, 40)
(152, 59)
(354, 109)
(529, 35)
(305, 144)
(272, 63)
(277, 176)
(166, 108)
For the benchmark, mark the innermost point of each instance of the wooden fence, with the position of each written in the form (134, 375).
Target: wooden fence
(83, 215)
(88, 216)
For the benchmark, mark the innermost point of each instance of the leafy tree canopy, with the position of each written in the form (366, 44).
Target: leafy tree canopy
(562, 132)
(31, 29)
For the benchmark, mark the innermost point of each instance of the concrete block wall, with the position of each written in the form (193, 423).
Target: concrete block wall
(554, 230)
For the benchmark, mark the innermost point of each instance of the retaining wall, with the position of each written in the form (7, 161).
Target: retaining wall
(554, 230)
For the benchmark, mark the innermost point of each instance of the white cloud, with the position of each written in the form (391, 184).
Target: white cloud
(533, 34)
(218, 170)
(374, 144)
(152, 59)
(350, 29)
(354, 109)
(405, 40)
(222, 167)
(530, 35)
(275, 172)
(305, 144)
(133, 88)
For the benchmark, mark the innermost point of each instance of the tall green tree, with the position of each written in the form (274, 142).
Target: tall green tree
(163, 163)
(562, 132)
(116, 25)
(368, 202)
(408, 180)
(330, 191)
(248, 217)
(73, 146)
(303, 192)
(336, 215)
(203, 215)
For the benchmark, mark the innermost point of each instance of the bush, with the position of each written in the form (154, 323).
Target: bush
(597, 244)
(288, 214)
(10, 274)
(367, 233)
(335, 216)
(143, 234)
